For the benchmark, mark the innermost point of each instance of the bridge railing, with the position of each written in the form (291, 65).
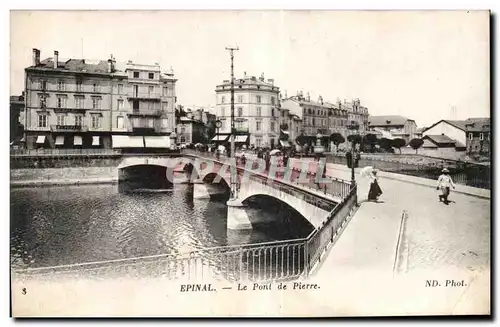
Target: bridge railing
(335, 187)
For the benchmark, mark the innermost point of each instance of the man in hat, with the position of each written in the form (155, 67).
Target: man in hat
(444, 183)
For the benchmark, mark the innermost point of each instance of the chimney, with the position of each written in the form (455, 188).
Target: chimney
(308, 97)
(320, 99)
(56, 59)
(36, 57)
(270, 81)
(110, 65)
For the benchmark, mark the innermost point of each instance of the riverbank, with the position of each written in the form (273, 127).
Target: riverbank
(63, 176)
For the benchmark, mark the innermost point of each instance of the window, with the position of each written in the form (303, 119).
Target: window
(296, 129)
(60, 86)
(95, 87)
(119, 122)
(151, 90)
(222, 112)
(258, 142)
(259, 111)
(136, 90)
(240, 112)
(151, 75)
(183, 129)
(240, 98)
(470, 136)
(272, 100)
(164, 122)
(120, 88)
(151, 123)
(258, 125)
(136, 74)
(42, 120)
(183, 139)
(272, 112)
(481, 136)
(78, 86)
(61, 102)
(78, 120)
(223, 99)
(165, 91)
(96, 121)
(120, 104)
(79, 102)
(60, 119)
(43, 85)
(43, 100)
(164, 106)
(272, 126)
(259, 99)
(96, 103)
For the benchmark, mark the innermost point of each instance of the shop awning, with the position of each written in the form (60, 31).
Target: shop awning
(241, 138)
(284, 132)
(220, 137)
(125, 141)
(157, 141)
(77, 140)
(95, 140)
(40, 139)
(60, 140)
(285, 143)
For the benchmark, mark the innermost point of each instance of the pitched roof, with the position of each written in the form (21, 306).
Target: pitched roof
(428, 144)
(301, 100)
(391, 120)
(440, 139)
(465, 125)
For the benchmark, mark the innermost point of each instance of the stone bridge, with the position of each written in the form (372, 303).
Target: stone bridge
(211, 177)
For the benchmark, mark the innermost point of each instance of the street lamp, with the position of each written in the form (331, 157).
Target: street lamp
(218, 124)
(353, 126)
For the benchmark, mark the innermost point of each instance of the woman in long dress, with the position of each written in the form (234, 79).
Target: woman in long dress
(375, 190)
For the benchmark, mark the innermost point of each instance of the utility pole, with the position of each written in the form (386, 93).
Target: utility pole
(234, 172)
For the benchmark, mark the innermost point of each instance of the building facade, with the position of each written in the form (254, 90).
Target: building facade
(357, 114)
(478, 136)
(256, 111)
(79, 103)
(317, 117)
(395, 126)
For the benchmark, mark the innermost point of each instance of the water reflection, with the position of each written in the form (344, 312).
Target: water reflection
(65, 225)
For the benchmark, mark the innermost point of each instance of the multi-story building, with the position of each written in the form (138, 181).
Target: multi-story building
(338, 119)
(256, 111)
(196, 126)
(83, 103)
(357, 114)
(395, 126)
(291, 125)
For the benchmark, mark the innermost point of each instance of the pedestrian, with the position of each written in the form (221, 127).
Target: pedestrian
(443, 185)
(375, 190)
(243, 159)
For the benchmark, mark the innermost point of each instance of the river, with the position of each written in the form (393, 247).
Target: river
(53, 226)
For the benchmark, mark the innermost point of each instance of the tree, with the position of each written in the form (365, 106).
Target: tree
(355, 139)
(398, 144)
(385, 144)
(370, 140)
(416, 144)
(337, 139)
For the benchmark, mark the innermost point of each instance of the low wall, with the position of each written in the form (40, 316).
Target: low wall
(62, 176)
(63, 162)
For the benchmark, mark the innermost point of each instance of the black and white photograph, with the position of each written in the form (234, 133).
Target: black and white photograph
(250, 163)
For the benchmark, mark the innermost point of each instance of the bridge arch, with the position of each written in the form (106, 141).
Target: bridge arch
(280, 212)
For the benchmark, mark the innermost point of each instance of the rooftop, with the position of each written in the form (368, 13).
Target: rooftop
(440, 139)
(390, 120)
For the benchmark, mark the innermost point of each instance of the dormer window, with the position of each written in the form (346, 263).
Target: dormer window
(481, 136)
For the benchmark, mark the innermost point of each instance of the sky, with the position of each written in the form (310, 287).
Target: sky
(416, 64)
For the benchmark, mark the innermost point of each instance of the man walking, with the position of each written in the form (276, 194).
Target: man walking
(444, 183)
